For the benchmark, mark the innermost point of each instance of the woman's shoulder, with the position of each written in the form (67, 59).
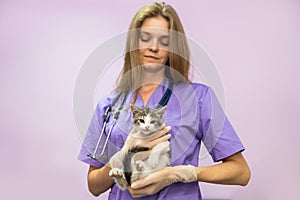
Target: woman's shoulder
(200, 89)
(200, 86)
(107, 100)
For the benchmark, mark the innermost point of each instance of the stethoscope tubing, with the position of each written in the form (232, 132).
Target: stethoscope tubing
(164, 100)
(106, 118)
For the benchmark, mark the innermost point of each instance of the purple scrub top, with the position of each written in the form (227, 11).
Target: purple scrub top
(195, 116)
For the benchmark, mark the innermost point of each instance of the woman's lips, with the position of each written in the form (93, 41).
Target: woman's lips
(152, 57)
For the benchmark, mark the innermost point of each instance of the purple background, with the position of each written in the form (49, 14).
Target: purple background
(255, 45)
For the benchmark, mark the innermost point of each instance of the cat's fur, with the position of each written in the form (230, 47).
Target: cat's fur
(146, 121)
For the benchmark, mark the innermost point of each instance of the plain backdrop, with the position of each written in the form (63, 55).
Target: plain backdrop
(43, 44)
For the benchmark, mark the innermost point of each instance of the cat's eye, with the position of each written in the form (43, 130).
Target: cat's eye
(141, 120)
(152, 122)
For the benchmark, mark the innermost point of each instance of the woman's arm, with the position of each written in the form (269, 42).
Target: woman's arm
(98, 180)
(233, 170)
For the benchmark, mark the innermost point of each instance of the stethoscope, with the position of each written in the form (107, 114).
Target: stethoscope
(163, 101)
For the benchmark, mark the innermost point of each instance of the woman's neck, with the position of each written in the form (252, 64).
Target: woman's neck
(150, 82)
(153, 78)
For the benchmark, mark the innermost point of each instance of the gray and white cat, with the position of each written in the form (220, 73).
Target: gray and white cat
(146, 122)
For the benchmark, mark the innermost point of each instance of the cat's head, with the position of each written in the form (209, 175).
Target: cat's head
(147, 120)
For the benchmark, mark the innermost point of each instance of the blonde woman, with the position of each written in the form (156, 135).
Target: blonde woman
(155, 71)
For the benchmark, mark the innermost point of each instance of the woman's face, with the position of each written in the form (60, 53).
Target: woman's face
(154, 43)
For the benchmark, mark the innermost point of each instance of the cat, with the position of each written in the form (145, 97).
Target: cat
(146, 122)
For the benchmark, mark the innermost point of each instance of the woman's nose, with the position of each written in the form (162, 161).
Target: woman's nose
(153, 45)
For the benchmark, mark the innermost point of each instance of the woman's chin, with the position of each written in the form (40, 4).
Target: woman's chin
(153, 67)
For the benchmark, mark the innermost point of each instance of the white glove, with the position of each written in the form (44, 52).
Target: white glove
(184, 173)
(162, 178)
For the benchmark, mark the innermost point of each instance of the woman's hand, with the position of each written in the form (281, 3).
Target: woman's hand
(150, 141)
(151, 184)
(162, 178)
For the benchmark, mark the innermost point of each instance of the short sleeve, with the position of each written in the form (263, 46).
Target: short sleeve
(93, 133)
(218, 135)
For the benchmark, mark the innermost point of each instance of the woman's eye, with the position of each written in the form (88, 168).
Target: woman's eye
(142, 121)
(144, 39)
(164, 41)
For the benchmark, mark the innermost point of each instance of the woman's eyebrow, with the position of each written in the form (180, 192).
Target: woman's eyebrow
(149, 34)
(146, 33)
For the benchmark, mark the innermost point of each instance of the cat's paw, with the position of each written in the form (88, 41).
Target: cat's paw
(140, 165)
(115, 173)
(118, 175)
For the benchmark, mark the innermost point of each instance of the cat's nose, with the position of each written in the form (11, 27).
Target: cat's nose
(147, 127)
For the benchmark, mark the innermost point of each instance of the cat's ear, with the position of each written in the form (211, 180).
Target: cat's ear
(134, 109)
(161, 111)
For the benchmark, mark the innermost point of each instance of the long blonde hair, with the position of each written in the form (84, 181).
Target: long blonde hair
(179, 53)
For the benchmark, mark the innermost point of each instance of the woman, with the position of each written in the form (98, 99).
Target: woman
(157, 62)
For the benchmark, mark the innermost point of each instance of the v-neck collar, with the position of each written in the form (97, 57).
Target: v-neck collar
(155, 96)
